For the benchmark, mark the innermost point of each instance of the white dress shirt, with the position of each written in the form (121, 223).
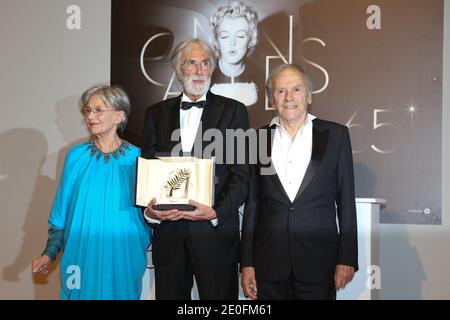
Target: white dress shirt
(290, 157)
(189, 123)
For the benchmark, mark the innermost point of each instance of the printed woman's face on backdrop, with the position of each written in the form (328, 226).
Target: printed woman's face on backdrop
(233, 39)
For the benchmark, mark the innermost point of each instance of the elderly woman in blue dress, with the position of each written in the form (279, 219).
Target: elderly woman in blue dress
(93, 220)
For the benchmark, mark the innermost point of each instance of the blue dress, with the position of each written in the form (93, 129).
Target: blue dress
(105, 236)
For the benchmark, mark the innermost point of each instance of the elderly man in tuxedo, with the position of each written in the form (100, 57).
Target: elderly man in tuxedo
(203, 243)
(292, 247)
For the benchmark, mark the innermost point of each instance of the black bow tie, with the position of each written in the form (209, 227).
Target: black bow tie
(187, 105)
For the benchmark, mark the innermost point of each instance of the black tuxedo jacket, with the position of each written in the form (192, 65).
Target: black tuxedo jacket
(212, 245)
(280, 237)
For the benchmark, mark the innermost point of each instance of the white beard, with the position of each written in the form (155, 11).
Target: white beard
(196, 90)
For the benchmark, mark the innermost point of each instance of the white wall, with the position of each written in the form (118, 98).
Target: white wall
(44, 67)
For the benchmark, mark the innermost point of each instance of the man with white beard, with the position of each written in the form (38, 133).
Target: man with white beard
(203, 243)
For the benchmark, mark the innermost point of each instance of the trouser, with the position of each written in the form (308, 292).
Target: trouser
(174, 281)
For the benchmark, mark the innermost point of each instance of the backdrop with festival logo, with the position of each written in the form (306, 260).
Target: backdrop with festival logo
(376, 67)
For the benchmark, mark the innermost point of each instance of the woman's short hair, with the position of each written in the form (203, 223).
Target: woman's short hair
(235, 9)
(113, 96)
(184, 46)
(275, 71)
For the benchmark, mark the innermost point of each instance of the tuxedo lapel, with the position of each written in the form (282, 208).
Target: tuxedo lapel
(210, 117)
(319, 145)
(173, 116)
(211, 112)
(274, 177)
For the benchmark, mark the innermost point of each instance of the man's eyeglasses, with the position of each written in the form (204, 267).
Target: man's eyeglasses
(191, 65)
(86, 111)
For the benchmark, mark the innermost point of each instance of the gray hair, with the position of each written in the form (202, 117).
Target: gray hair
(186, 46)
(235, 9)
(275, 71)
(112, 96)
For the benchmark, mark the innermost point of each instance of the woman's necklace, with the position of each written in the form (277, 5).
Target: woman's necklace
(116, 148)
(108, 147)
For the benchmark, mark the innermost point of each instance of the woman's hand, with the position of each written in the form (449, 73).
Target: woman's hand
(40, 265)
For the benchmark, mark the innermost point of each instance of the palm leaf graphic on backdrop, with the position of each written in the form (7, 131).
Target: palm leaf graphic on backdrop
(176, 180)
